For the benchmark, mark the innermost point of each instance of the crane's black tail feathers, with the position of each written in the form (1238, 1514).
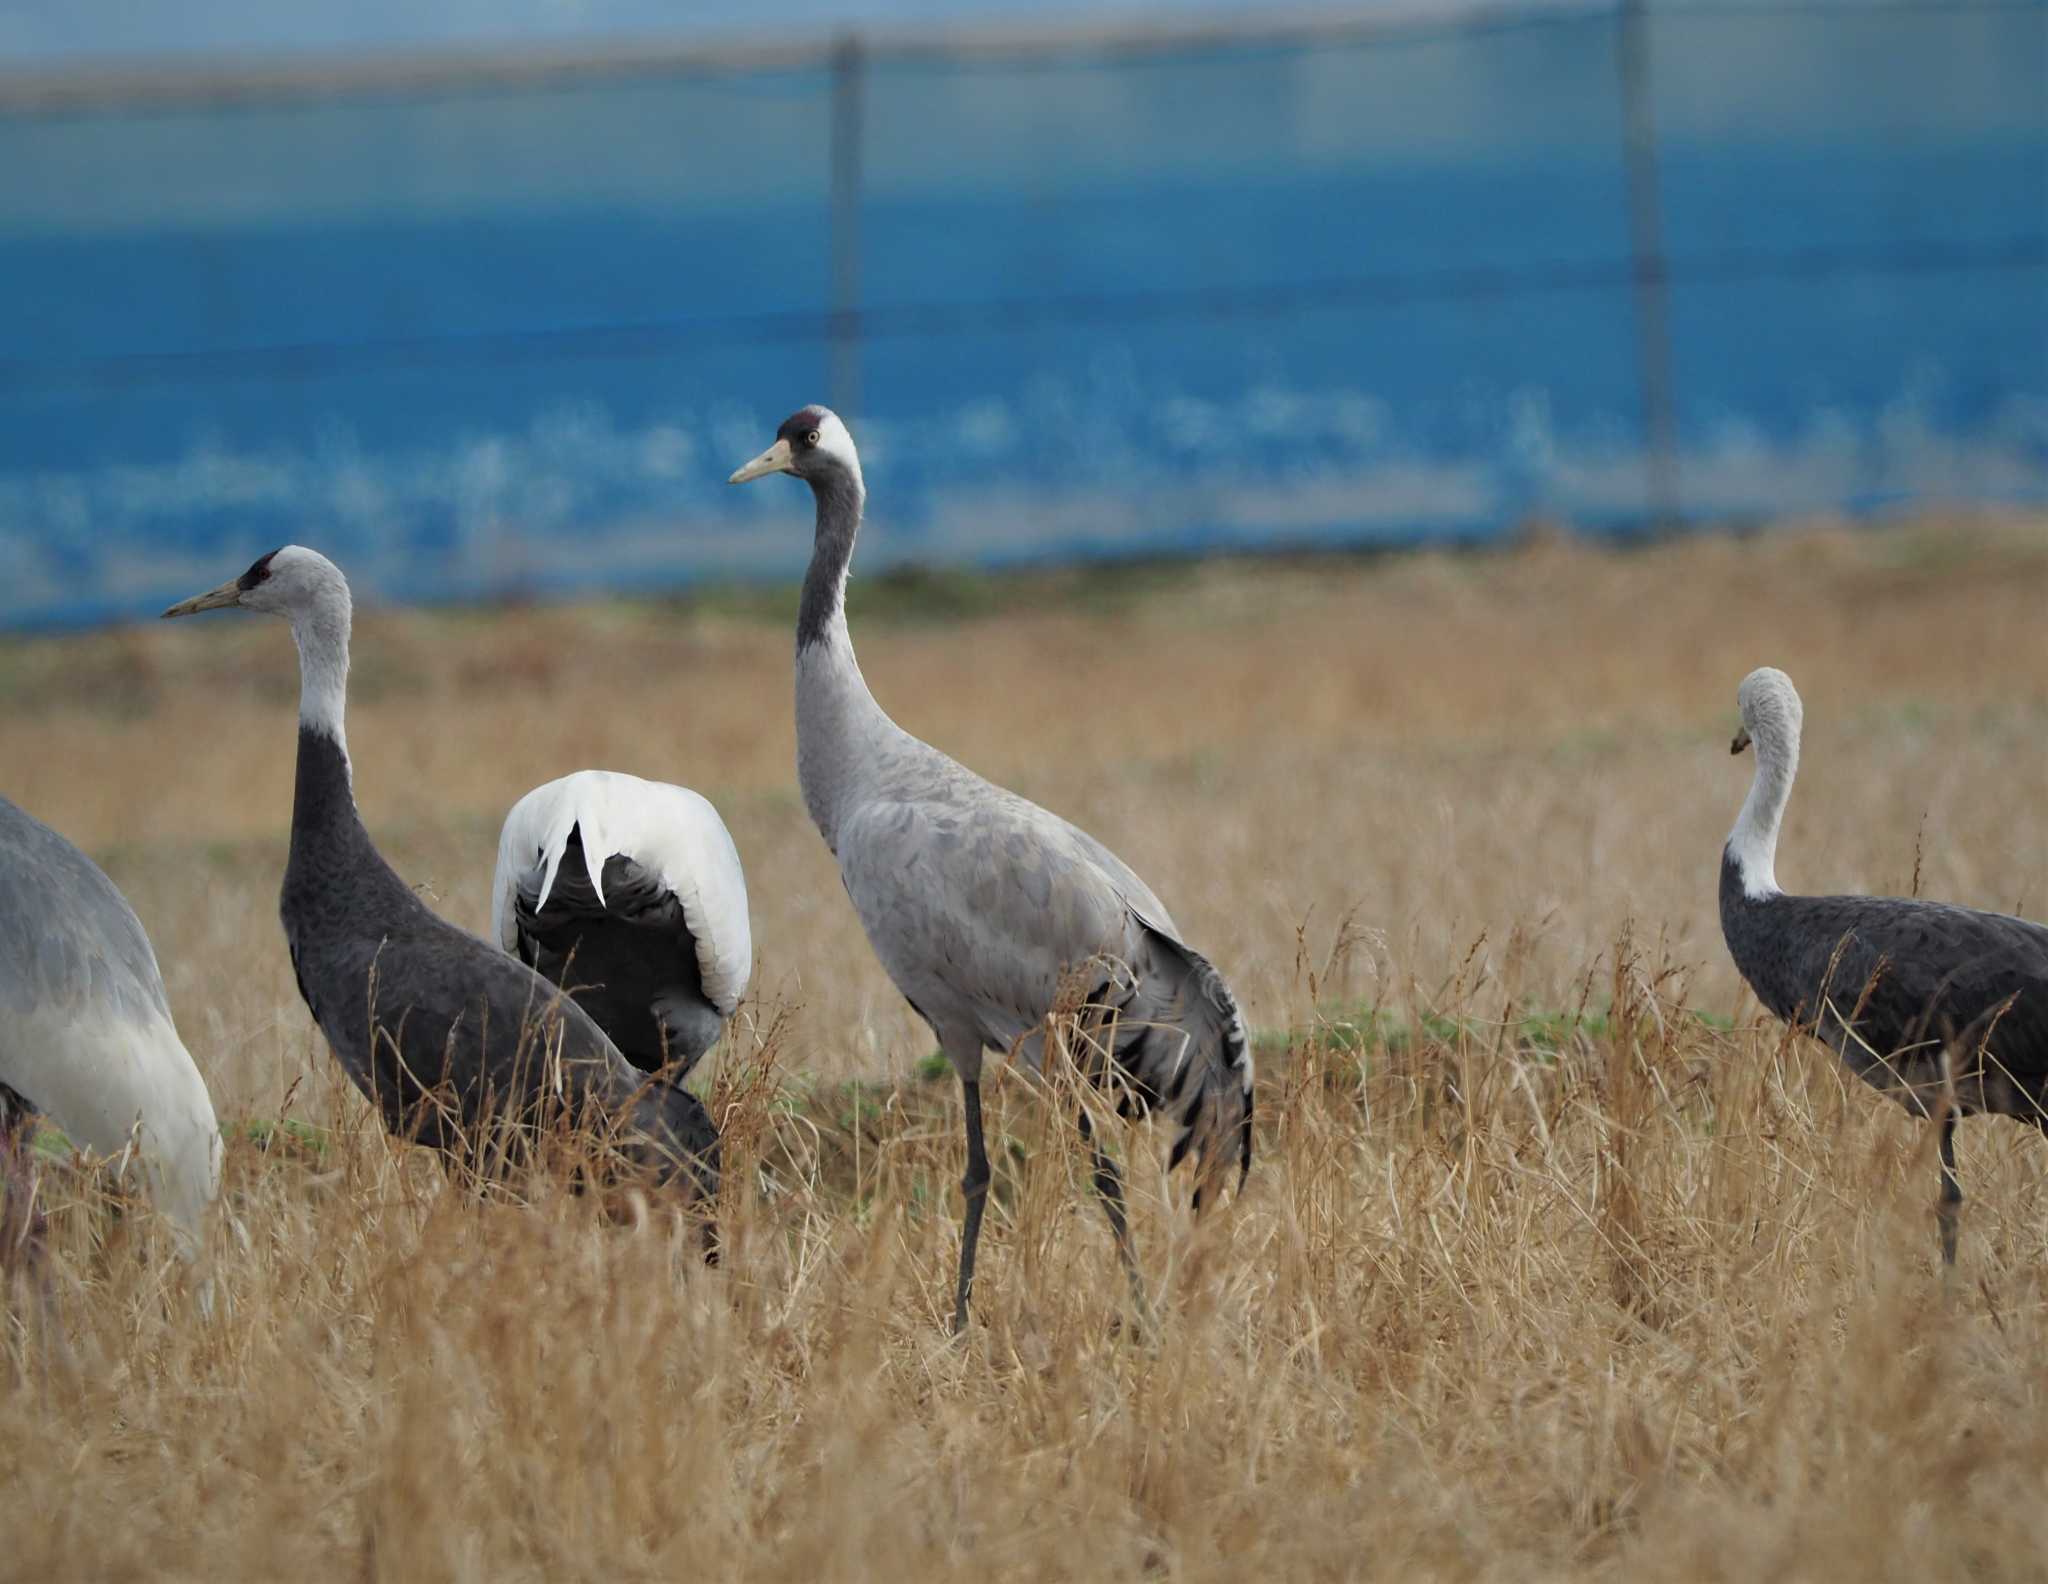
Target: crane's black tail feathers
(1178, 1044)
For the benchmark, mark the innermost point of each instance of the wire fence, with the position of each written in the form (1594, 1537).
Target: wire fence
(490, 326)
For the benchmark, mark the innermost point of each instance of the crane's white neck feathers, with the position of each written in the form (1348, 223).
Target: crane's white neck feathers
(320, 628)
(1772, 715)
(308, 590)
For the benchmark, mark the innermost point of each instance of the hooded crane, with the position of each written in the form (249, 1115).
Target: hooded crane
(440, 1030)
(1910, 994)
(86, 1036)
(980, 904)
(628, 894)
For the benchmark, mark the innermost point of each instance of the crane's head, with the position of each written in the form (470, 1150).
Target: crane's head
(285, 582)
(813, 444)
(1770, 710)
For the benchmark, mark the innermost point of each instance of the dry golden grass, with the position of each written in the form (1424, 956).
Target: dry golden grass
(1515, 1293)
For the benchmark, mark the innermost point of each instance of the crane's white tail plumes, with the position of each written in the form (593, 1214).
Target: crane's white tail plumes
(674, 844)
(1173, 1039)
(531, 847)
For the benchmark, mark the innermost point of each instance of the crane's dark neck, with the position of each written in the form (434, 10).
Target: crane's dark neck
(324, 800)
(1755, 928)
(333, 862)
(841, 732)
(324, 803)
(840, 498)
(328, 843)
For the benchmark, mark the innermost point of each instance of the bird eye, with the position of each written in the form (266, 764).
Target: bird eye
(811, 438)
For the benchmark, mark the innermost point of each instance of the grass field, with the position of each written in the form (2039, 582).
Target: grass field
(1557, 1261)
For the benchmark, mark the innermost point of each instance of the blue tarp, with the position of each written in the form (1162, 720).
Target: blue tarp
(485, 338)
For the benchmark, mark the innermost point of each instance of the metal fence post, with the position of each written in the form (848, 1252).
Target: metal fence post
(1646, 248)
(848, 132)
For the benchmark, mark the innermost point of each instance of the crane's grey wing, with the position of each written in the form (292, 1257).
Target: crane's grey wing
(67, 936)
(86, 1033)
(980, 910)
(976, 914)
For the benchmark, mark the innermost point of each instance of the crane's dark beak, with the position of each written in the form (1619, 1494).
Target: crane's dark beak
(229, 593)
(774, 460)
(1741, 740)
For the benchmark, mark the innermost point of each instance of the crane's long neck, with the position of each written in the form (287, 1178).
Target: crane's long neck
(323, 802)
(839, 726)
(1753, 844)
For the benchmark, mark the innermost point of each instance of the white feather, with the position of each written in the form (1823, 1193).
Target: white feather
(112, 1081)
(667, 829)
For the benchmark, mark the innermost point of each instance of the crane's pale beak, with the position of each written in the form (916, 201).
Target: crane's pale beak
(774, 460)
(1741, 740)
(229, 593)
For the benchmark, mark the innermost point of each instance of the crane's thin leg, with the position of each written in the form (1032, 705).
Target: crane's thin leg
(23, 1226)
(974, 1187)
(1109, 1184)
(24, 1229)
(1950, 1209)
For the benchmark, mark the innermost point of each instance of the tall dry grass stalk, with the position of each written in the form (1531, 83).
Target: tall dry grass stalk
(1556, 1261)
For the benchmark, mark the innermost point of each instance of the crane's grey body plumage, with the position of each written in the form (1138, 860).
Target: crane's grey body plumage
(68, 938)
(1942, 1008)
(86, 1033)
(443, 1033)
(981, 905)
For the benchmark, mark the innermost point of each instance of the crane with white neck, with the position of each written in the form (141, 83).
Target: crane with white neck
(446, 1035)
(1942, 1008)
(981, 905)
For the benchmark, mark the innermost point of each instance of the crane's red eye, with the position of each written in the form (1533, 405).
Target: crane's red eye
(811, 438)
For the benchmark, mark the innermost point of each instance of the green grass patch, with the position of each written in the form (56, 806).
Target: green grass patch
(1363, 1029)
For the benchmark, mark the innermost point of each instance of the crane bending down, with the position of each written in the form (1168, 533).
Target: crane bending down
(629, 894)
(86, 1036)
(443, 1032)
(1919, 999)
(980, 904)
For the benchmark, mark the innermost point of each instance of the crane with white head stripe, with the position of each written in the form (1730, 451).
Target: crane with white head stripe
(983, 907)
(445, 1034)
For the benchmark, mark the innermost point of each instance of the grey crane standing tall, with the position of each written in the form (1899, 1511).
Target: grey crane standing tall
(979, 903)
(441, 1031)
(1920, 999)
(86, 1036)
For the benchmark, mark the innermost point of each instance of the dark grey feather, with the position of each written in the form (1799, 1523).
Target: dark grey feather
(1891, 983)
(628, 959)
(442, 1032)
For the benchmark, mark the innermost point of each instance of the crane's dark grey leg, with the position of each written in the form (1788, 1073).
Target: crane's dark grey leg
(974, 1186)
(1950, 1209)
(23, 1227)
(1109, 1184)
